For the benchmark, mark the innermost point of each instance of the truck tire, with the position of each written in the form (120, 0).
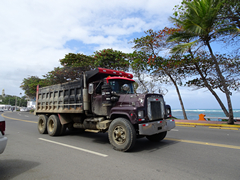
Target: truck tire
(157, 137)
(42, 124)
(54, 126)
(122, 134)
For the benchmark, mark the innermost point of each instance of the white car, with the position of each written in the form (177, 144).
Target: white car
(3, 139)
(1, 110)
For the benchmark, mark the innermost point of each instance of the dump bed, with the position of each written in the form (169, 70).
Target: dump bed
(68, 97)
(60, 98)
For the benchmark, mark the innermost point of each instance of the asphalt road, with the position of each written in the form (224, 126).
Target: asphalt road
(186, 153)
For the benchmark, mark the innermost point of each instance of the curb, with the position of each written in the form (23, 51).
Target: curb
(205, 124)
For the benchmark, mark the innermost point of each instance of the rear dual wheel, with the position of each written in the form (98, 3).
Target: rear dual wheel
(50, 125)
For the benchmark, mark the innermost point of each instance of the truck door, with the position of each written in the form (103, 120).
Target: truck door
(97, 107)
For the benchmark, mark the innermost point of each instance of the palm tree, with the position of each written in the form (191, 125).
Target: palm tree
(200, 25)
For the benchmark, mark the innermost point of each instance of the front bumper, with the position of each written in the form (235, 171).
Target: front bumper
(156, 127)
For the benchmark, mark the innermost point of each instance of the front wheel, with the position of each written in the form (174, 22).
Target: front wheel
(157, 137)
(122, 134)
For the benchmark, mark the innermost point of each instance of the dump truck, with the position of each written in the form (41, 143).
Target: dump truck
(103, 100)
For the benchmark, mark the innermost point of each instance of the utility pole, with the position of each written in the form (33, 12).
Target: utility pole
(16, 104)
(20, 100)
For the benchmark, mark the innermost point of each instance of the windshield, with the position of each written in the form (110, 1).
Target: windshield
(119, 86)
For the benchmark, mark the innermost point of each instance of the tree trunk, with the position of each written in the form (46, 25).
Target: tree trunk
(179, 96)
(212, 91)
(223, 83)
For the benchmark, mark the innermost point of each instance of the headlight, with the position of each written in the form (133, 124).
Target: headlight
(140, 114)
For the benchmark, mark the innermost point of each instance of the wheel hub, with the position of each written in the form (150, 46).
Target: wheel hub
(119, 135)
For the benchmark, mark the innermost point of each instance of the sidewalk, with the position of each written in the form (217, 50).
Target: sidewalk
(206, 123)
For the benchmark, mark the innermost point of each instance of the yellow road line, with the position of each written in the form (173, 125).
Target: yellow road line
(185, 125)
(205, 124)
(204, 143)
(223, 128)
(17, 119)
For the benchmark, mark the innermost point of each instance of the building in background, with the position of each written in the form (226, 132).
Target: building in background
(5, 107)
(31, 104)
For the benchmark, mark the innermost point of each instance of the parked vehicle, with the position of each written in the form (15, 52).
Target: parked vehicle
(1, 110)
(103, 100)
(3, 139)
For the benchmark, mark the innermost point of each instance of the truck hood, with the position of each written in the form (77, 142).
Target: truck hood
(136, 100)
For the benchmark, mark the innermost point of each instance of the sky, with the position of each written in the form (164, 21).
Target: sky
(35, 35)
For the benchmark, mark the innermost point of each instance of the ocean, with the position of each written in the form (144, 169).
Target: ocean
(193, 114)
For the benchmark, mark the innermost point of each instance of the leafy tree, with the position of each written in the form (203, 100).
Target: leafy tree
(29, 85)
(13, 100)
(200, 25)
(163, 69)
(111, 59)
(140, 68)
(78, 60)
(23, 101)
(73, 65)
(205, 67)
(229, 14)
(167, 70)
(106, 58)
(228, 19)
(203, 73)
(62, 75)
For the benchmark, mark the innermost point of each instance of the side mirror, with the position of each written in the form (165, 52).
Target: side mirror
(90, 88)
(125, 87)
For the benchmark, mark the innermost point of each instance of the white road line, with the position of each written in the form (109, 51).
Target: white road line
(74, 147)
(174, 129)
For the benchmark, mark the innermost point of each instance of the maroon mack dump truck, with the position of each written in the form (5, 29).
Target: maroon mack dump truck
(103, 100)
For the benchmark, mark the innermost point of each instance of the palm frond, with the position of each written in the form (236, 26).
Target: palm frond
(180, 36)
(226, 30)
(183, 47)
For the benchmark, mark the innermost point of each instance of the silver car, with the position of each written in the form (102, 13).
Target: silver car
(3, 139)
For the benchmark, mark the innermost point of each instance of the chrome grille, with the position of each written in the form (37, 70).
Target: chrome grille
(155, 108)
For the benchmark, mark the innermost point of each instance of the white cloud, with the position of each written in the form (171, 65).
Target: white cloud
(34, 33)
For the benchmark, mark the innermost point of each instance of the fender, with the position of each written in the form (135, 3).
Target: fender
(131, 116)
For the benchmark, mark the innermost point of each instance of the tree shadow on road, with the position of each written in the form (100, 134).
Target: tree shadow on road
(10, 168)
